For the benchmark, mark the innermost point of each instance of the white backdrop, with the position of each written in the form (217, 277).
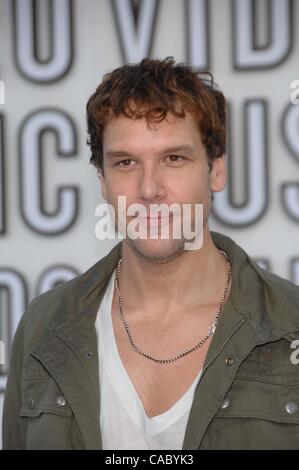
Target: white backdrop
(53, 54)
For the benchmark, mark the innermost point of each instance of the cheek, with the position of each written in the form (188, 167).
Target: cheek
(194, 189)
(116, 189)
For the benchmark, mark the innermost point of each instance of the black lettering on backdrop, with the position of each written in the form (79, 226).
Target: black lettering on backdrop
(197, 34)
(290, 133)
(256, 172)
(54, 275)
(290, 199)
(135, 24)
(13, 289)
(32, 197)
(247, 55)
(13, 284)
(26, 39)
(290, 130)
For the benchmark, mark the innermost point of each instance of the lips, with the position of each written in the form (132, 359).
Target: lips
(159, 217)
(154, 222)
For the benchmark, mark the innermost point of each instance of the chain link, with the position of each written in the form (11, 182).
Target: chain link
(211, 329)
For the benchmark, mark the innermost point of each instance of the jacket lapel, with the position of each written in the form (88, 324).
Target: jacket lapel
(234, 338)
(69, 349)
(251, 316)
(218, 374)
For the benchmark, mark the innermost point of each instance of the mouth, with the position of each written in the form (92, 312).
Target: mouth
(155, 219)
(155, 223)
(158, 216)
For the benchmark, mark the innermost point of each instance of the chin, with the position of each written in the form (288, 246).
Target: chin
(158, 251)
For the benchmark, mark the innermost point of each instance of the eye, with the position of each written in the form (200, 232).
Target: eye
(124, 163)
(176, 158)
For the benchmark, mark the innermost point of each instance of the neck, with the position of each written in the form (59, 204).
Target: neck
(195, 278)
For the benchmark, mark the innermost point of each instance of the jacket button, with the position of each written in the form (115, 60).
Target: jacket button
(31, 403)
(229, 361)
(61, 401)
(291, 407)
(225, 403)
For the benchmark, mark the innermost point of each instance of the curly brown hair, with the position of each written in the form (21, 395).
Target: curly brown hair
(151, 89)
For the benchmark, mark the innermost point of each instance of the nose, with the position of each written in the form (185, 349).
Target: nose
(152, 184)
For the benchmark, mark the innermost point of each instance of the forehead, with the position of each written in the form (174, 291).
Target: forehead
(131, 133)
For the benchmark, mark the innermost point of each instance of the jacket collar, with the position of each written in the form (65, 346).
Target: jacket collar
(269, 302)
(68, 349)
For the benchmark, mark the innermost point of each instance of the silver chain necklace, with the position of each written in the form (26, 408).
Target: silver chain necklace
(211, 329)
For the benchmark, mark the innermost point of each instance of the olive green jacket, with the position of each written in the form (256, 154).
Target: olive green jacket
(248, 395)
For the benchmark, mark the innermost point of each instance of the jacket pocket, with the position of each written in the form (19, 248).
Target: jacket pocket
(257, 415)
(48, 415)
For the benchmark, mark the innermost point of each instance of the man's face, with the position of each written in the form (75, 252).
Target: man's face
(164, 164)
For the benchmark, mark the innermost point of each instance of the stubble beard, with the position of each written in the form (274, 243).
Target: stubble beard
(168, 249)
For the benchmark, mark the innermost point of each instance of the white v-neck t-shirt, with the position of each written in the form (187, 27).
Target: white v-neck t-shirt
(123, 421)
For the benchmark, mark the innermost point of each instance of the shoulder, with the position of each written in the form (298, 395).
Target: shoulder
(41, 311)
(66, 301)
(270, 302)
(284, 291)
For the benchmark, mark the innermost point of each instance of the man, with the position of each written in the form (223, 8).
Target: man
(158, 346)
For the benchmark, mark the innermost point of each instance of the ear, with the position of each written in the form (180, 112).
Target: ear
(218, 174)
(103, 184)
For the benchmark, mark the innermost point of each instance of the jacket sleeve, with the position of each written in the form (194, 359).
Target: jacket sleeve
(13, 426)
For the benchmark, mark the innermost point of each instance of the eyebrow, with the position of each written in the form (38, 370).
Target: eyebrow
(177, 148)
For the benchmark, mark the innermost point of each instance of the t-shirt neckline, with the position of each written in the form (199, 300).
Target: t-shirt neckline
(122, 383)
